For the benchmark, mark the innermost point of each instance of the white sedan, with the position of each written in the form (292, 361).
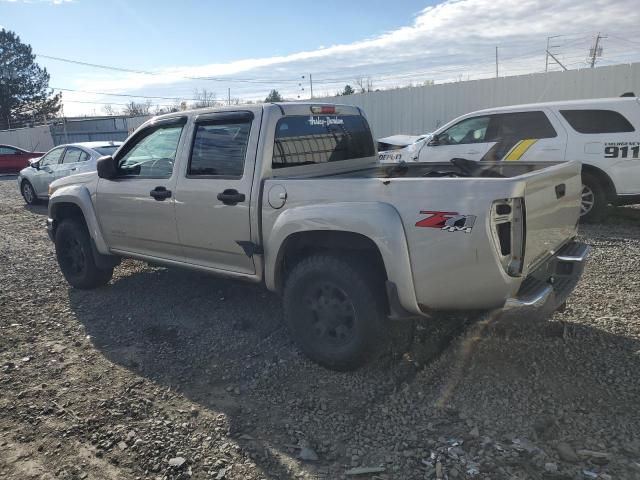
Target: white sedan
(59, 162)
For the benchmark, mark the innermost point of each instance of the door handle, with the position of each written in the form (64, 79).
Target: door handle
(72, 169)
(231, 197)
(160, 193)
(473, 152)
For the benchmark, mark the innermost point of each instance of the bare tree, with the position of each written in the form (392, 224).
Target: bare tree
(204, 99)
(365, 84)
(135, 109)
(109, 110)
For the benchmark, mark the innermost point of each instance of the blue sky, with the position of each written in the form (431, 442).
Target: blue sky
(393, 42)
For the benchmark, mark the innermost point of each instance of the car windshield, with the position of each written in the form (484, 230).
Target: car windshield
(107, 149)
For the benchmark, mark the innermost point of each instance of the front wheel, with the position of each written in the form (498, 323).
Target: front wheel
(335, 312)
(75, 256)
(593, 199)
(28, 193)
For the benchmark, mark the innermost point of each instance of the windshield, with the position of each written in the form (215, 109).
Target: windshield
(107, 149)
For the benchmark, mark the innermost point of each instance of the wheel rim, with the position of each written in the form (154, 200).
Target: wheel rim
(588, 200)
(72, 256)
(331, 315)
(27, 192)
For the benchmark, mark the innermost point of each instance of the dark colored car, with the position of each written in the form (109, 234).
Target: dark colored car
(14, 159)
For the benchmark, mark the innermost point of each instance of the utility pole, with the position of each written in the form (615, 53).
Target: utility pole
(229, 96)
(311, 84)
(556, 60)
(548, 50)
(596, 50)
(496, 61)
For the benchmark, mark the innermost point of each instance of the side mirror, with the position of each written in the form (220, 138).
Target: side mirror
(434, 142)
(34, 164)
(106, 167)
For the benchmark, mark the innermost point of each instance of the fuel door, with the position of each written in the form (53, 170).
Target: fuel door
(277, 196)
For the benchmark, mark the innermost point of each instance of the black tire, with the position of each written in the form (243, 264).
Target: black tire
(336, 311)
(594, 199)
(28, 193)
(75, 256)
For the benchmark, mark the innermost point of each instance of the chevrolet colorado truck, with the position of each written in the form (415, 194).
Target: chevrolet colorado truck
(292, 195)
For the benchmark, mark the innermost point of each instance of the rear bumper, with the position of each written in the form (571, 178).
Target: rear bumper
(548, 287)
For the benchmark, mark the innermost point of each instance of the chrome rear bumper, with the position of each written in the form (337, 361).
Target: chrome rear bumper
(552, 282)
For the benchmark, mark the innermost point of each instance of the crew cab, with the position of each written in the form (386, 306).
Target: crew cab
(292, 195)
(603, 134)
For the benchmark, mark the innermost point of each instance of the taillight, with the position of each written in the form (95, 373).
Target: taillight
(508, 228)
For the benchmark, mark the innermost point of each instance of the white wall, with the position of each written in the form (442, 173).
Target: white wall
(32, 139)
(417, 110)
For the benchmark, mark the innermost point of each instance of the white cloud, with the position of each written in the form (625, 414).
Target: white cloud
(453, 40)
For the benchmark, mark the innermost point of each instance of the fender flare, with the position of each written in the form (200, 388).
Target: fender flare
(80, 196)
(380, 222)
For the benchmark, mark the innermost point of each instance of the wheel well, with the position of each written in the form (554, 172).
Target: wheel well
(62, 211)
(605, 180)
(300, 245)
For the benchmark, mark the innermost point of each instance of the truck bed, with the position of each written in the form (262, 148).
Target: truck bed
(478, 276)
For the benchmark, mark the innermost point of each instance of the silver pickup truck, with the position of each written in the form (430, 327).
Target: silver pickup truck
(292, 195)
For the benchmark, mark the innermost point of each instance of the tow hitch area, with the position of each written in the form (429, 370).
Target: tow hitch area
(553, 281)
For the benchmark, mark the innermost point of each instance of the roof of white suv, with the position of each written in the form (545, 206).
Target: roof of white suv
(566, 103)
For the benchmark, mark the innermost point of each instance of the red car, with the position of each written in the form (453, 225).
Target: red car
(14, 159)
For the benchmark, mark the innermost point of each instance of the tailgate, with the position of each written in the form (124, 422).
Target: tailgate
(552, 209)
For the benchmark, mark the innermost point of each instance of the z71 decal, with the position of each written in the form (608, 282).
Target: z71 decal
(448, 221)
(621, 150)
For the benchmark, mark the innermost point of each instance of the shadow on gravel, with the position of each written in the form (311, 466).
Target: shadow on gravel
(39, 209)
(223, 344)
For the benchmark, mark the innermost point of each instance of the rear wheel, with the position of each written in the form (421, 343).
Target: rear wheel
(335, 311)
(75, 256)
(28, 193)
(593, 200)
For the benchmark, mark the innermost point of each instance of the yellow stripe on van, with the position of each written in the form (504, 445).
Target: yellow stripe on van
(520, 149)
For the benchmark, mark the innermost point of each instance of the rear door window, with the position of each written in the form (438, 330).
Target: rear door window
(597, 121)
(75, 155)
(521, 125)
(220, 146)
(307, 140)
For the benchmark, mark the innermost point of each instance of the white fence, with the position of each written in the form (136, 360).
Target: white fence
(30, 138)
(417, 110)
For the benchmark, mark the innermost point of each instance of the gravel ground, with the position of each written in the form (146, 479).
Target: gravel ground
(171, 374)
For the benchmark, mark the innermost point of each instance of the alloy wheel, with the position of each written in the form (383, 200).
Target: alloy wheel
(587, 200)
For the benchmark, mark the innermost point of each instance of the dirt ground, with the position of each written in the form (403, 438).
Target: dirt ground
(172, 374)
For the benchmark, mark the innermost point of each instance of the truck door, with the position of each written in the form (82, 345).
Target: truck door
(214, 190)
(136, 208)
(465, 139)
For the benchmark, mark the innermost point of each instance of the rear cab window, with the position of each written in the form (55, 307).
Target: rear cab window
(316, 139)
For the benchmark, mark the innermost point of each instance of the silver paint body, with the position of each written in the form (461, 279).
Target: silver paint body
(41, 178)
(431, 268)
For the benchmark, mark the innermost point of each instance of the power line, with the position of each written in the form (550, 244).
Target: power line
(125, 95)
(147, 72)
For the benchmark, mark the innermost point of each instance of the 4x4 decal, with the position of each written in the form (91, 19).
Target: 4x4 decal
(448, 221)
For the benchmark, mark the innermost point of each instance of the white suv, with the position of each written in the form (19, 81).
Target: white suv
(603, 134)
